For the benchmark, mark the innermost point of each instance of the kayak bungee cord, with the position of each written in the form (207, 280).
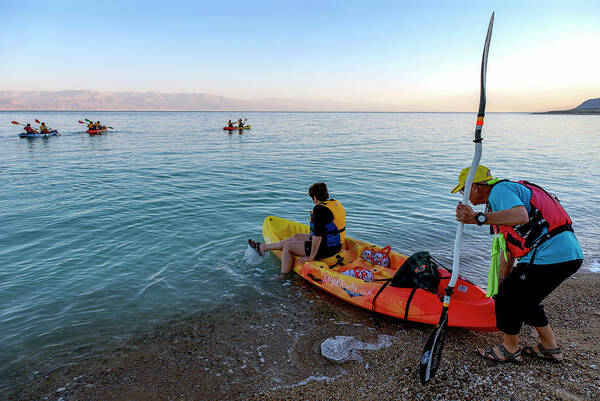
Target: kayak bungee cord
(432, 352)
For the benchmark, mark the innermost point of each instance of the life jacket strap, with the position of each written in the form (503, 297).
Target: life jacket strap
(341, 230)
(546, 237)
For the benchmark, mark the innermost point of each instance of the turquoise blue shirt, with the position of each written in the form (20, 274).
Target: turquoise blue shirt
(560, 248)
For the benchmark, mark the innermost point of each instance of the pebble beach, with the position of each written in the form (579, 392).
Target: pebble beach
(231, 356)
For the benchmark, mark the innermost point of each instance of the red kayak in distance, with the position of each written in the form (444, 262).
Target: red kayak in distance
(96, 131)
(234, 128)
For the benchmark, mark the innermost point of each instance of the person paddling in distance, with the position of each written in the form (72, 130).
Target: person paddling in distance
(531, 225)
(230, 124)
(91, 126)
(29, 129)
(327, 232)
(241, 123)
(43, 128)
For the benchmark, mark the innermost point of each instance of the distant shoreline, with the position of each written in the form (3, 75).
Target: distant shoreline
(263, 111)
(575, 112)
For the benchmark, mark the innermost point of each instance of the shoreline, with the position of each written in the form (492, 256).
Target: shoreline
(272, 352)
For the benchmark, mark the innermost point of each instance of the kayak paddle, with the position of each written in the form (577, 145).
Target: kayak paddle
(14, 122)
(432, 352)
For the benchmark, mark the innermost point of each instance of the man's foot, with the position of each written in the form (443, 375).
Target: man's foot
(499, 353)
(537, 351)
(256, 247)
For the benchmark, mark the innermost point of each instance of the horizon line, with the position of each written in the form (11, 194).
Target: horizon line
(258, 111)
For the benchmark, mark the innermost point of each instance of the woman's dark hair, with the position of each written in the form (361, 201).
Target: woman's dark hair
(319, 190)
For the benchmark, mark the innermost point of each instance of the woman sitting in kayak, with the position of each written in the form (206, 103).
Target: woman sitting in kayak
(230, 124)
(327, 232)
(44, 129)
(90, 125)
(240, 123)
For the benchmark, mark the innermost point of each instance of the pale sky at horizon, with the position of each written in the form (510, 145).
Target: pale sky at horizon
(417, 56)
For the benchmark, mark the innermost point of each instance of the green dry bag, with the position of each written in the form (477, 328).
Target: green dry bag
(498, 247)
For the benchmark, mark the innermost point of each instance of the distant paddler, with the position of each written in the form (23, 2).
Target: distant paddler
(29, 129)
(44, 129)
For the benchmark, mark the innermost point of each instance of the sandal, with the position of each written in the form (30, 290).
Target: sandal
(256, 247)
(490, 355)
(551, 354)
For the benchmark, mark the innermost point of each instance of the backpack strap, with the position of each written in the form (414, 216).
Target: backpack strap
(410, 297)
(387, 282)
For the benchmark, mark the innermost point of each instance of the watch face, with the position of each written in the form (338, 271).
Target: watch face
(481, 218)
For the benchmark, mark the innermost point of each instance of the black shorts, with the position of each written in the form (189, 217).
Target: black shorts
(520, 295)
(323, 252)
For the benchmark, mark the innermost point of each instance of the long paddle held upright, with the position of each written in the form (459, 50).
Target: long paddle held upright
(432, 352)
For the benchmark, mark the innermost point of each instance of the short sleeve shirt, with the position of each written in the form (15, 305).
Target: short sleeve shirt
(321, 217)
(560, 248)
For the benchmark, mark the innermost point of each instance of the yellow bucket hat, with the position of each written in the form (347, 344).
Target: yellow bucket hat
(482, 174)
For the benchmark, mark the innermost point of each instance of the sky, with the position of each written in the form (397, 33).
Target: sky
(404, 55)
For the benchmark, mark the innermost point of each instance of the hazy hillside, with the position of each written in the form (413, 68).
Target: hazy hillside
(590, 106)
(593, 104)
(142, 101)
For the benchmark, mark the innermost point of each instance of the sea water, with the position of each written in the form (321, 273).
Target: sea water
(103, 235)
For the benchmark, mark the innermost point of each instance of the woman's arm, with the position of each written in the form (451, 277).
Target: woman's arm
(314, 248)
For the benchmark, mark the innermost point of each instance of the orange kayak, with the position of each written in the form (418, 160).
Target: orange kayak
(96, 131)
(469, 307)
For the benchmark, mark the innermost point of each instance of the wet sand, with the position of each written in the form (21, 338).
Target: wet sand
(272, 352)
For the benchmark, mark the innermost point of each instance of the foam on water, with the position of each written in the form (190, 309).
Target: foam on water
(251, 257)
(595, 265)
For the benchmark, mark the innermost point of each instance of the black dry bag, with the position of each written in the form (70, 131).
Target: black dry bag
(418, 271)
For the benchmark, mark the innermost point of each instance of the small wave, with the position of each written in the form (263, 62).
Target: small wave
(311, 379)
(595, 266)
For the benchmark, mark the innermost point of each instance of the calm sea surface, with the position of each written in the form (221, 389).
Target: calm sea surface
(104, 235)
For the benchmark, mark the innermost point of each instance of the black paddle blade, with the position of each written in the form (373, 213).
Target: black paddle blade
(432, 352)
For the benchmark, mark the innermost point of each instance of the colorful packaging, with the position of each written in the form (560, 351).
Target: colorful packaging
(363, 274)
(380, 258)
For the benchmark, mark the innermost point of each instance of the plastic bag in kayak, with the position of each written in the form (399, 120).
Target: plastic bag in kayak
(251, 257)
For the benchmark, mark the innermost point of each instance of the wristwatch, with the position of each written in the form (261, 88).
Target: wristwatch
(481, 219)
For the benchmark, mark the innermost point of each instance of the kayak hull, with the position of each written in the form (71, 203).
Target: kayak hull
(28, 135)
(469, 307)
(96, 131)
(234, 128)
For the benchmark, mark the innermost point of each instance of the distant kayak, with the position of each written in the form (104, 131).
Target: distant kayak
(234, 128)
(96, 131)
(34, 135)
(469, 309)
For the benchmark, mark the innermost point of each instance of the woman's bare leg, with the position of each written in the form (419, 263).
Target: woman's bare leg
(278, 246)
(290, 249)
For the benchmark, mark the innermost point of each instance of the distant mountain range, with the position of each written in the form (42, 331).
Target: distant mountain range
(151, 101)
(590, 106)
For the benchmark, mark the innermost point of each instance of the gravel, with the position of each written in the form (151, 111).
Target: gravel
(272, 352)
